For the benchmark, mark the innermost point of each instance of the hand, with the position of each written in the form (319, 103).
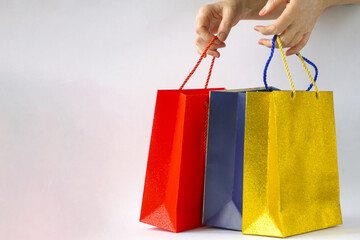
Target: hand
(295, 24)
(217, 18)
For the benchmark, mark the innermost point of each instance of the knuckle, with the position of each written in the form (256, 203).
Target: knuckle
(204, 9)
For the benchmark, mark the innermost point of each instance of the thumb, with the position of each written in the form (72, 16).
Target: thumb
(225, 24)
(270, 6)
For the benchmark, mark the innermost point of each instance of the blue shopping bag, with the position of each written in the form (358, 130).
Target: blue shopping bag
(224, 160)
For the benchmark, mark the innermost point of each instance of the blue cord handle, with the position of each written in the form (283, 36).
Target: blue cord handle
(269, 60)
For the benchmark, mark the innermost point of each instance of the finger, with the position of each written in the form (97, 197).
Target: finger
(202, 44)
(213, 53)
(270, 6)
(226, 23)
(278, 26)
(284, 42)
(267, 42)
(299, 45)
(216, 44)
(204, 34)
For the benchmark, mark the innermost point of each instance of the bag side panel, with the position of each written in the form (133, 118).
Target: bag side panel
(273, 173)
(159, 178)
(309, 181)
(237, 196)
(191, 181)
(219, 209)
(255, 159)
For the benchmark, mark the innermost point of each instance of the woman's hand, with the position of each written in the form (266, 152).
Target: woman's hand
(295, 24)
(217, 18)
(295, 21)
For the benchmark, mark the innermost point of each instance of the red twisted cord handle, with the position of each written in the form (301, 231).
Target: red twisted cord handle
(210, 70)
(198, 63)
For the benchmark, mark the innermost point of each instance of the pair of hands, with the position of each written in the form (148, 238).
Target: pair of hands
(295, 20)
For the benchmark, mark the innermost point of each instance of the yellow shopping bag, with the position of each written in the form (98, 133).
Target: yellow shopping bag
(291, 182)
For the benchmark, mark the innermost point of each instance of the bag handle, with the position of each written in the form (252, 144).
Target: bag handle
(198, 63)
(303, 60)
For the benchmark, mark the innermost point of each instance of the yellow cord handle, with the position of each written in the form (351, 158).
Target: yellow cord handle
(288, 72)
(308, 72)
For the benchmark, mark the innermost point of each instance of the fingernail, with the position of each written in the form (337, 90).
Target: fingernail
(217, 41)
(222, 36)
(256, 28)
(260, 42)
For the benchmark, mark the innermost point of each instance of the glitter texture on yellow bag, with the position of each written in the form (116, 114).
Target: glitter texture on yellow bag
(291, 181)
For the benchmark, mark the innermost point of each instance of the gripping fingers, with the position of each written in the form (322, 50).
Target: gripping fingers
(289, 38)
(268, 43)
(203, 34)
(210, 52)
(201, 45)
(213, 53)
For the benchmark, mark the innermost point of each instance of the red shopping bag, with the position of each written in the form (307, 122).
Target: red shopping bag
(174, 182)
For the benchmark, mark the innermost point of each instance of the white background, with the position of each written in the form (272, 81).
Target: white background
(77, 94)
